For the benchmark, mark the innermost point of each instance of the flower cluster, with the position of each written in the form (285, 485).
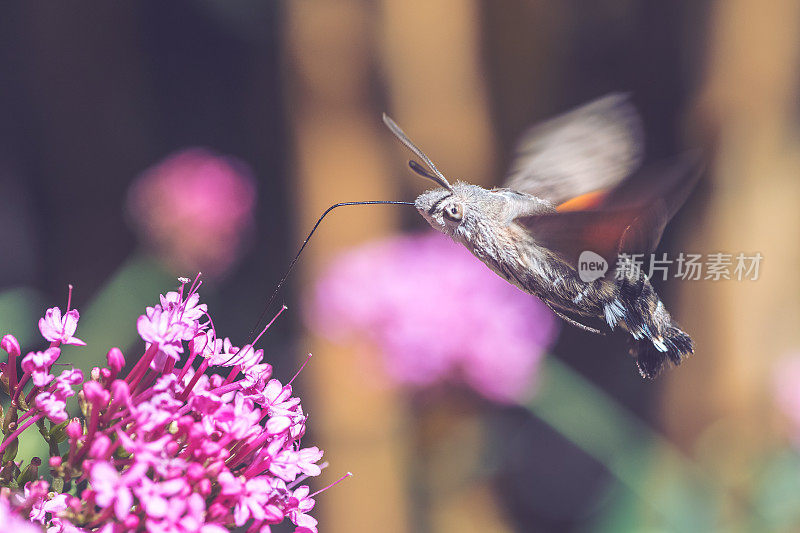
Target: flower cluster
(167, 447)
(436, 313)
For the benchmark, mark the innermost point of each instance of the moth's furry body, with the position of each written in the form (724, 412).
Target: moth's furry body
(523, 234)
(489, 229)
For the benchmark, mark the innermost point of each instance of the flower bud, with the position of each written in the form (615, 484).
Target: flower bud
(120, 393)
(74, 503)
(100, 447)
(11, 345)
(217, 510)
(215, 468)
(131, 522)
(55, 461)
(74, 429)
(116, 361)
(195, 472)
(95, 394)
(11, 451)
(30, 473)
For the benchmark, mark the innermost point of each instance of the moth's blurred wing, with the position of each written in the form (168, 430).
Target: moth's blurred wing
(630, 219)
(592, 147)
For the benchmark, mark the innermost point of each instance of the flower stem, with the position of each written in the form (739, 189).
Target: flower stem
(11, 367)
(19, 388)
(143, 364)
(8, 440)
(194, 380)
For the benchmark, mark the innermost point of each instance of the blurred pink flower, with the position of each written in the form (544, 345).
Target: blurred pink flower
(436, 313)
(787, 393)
(195, 210)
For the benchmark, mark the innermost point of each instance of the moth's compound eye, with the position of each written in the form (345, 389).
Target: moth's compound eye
(454, 212)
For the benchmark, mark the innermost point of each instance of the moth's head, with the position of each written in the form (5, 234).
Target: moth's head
(449, 210)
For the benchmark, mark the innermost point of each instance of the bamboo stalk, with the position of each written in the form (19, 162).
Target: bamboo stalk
(359, 420)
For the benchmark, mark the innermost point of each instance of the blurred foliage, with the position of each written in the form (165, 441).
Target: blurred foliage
(643, 462)
(109, 319)
(20, 310)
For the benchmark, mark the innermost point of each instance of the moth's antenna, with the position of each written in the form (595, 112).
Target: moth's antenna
(436, 175)
(419, 169)
(305, 242)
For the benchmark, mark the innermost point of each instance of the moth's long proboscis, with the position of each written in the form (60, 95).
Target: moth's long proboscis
(303, 246)
(400, 134)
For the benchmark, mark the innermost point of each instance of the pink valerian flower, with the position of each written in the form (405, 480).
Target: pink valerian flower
(436, 314)
(195, 210)
(299, 504)
(112, 489)
(12, 520)
(52, 405)
(169, 447)
(156, 497)
(256, 376)
(38, 365)
(54, 505)
(252, 498)
(189, 311)
(170, 323)
(66, 380)
(57, 329)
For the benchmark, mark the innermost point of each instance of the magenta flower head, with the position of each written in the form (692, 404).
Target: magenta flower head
(171, 446)
(194, 209)
(436, 314)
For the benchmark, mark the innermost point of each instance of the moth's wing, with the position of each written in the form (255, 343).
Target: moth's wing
(592, 147)
(629, 220)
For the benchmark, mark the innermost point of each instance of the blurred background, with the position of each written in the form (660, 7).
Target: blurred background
(144, 140)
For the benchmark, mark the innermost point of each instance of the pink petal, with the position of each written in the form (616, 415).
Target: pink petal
(278, 424)
(122, 507)
(71, 322)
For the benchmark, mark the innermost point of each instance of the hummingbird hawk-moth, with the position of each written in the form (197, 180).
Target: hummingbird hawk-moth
(575, 188)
